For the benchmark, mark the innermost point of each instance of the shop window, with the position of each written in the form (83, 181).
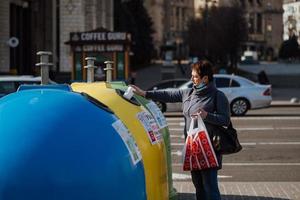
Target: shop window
(243, 3)
(259, 2)
(259, 23)
(251, 23)
(177, 12)
(250, 2)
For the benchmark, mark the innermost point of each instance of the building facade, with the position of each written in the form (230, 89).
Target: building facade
(28, 26)
(265, 27)
(291, 19)
(200, 5)
(181, 11)
(171, 19)
(79, 16)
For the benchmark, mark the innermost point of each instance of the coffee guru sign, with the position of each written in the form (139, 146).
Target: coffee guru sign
(104, 45)
(99, 36)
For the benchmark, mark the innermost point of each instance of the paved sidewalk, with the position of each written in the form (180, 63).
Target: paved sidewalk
(246, 190)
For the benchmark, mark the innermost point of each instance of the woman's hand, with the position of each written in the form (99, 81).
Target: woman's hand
(202, 113)
(138, 90)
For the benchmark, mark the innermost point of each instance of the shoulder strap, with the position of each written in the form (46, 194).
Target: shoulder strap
(216, 100)
(215, 104)
(190, 93)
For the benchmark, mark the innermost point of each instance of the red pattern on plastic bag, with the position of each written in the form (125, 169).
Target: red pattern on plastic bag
(188, 153)
(198, 151)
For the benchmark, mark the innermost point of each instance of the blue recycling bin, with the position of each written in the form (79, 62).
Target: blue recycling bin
(57, 144)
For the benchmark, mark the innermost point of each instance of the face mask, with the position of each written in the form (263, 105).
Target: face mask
(200, 85)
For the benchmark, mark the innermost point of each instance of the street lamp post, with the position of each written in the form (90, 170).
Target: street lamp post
(178, 42)
(205, 14)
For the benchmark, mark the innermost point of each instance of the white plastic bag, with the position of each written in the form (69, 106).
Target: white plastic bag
(198, 151)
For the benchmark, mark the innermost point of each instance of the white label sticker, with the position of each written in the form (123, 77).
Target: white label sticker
(150, 126)
(128, 140)
(158, 116)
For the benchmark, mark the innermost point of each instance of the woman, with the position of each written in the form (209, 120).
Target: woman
(203, 100)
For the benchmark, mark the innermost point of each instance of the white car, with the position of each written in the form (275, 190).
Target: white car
(242, 94)
(9, 84)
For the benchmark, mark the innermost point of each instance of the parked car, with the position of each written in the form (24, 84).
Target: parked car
(242, 94)
(9, 84)
(167, 84)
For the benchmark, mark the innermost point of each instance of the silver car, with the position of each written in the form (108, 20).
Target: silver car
(242, 94)
(9, 84)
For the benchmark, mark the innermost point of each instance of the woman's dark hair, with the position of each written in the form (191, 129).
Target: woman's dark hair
(204, 68)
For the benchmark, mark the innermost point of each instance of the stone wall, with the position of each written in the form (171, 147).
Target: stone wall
(72, 19)
(74, 16)
(4, 36)
(81, 16)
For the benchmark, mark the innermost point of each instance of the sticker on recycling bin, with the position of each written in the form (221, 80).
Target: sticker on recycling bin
(128, 140)
(159, 117)
(150, 126)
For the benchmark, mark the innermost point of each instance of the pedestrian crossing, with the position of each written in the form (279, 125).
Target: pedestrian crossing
(256, 134)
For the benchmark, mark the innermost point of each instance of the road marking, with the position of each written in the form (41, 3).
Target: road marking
(267, 128)
(178, 153)
(267, 118)
(177, 136)
(177, 176)
(269, 143)
(250, 164)
(252, 128)
(250, 143)
(176, 124)
(175, 129)
(181, 136)
(177, 144)
(249, 118)
(261, 164)
(175, 119)
(182, 124)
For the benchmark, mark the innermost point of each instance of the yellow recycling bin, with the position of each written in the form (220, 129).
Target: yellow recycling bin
(144, 130)
(162, 123)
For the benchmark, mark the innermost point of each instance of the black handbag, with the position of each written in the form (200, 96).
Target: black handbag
(226, 140)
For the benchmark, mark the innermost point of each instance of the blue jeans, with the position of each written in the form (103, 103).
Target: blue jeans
(206, 184)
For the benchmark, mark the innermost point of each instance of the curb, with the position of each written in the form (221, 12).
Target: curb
(284, 104)
(273, 104)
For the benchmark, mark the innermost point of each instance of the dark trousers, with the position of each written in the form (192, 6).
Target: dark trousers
(206, 184)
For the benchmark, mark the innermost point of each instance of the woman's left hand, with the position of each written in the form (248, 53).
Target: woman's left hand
(202, 113)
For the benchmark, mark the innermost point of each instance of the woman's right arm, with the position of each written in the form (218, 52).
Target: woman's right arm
(160, 95)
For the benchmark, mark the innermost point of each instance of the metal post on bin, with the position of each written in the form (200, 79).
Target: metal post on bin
(44, 64)
(108, 70)
(90, 69)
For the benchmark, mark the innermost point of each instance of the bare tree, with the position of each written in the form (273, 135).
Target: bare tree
(218, 35)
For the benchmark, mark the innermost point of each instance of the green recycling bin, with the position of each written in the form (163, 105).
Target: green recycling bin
(161, 121)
